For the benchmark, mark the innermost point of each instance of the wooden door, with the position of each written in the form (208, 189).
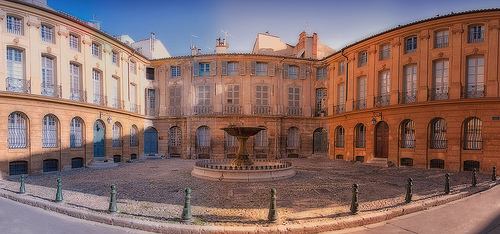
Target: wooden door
(382, 140)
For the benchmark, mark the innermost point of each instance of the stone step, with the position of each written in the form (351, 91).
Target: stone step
(101, 163)
(151, 156)
(380, 162)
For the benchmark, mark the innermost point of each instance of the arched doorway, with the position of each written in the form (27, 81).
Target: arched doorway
(150, 141)
(320, 141)
(99, 133)
(382, 140)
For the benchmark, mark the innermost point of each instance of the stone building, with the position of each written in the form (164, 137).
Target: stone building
(424, 94)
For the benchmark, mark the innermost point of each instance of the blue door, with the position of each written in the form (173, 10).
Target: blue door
(150, 141)
(98, 139)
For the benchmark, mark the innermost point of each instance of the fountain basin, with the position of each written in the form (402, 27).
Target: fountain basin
(261, 170)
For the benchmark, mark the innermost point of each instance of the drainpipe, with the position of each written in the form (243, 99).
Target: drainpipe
(345, 90)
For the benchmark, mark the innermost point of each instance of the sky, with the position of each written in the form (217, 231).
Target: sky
(337, 23)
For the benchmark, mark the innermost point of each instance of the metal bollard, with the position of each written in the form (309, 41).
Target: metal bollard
(112, 204)
(59, 196)
(447, 183)
(474, 178)
(273, 212)
(186, 211)
(354, 203)
(409, 192)
(22, 189)
(494, 175)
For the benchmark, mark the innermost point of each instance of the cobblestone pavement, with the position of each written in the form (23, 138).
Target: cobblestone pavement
(321, 190)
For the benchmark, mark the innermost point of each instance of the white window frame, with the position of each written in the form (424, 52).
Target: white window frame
(96, 80)
(441, 39)
(15, 70)
(132, 67)
(14, 25)
(49, 132)
(293, 138)
(48, 81)
(410, 82)
(341, 67)
(175, 136)
(74, 42)
(293, 96)
(204, 95)
(261, 139)
(261, 69)
(232, 68)
(74, 79)
(362, 59)
(233, 94)
(204, 69)
(47, 33)
(475, 73)
(133, 136)
(96, 50)
(114, 58)
(411, 44)
(116, 135)
(321, 74)
(175, 72)
(18, 134)
(293, 72)
(76, 133)
(385, 51)
(203, 136)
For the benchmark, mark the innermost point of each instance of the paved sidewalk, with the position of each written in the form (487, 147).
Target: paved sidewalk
(479, 213)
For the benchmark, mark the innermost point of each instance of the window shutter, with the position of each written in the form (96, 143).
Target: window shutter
(223, 68)
(242, 68)
(213, 68)
(196, 69)
(285, 70)
(253, 68)
(303, 73)
(271, 67)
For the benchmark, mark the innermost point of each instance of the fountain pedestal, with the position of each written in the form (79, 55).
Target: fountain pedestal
(242, 134)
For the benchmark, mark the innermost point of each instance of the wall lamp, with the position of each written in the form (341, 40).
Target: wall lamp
(375, 115)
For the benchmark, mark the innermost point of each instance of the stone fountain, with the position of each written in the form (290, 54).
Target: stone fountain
(243, 169)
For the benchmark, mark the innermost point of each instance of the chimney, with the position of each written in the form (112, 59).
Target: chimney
(220, 46)
(194, 50)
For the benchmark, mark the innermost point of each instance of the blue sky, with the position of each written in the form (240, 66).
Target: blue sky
(338, 23)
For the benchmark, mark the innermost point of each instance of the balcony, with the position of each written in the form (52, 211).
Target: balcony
(117, 103)
(472, 91)
(51, 90)
(338, 109)
(407, 97)
(321, 112)
(78, 95)
(359, 104)
(135, 108)
(232, 109)
(151, 111)
(382, 100)
(476, 36)
(100, 99)
(294, 111)
(261, 110)
(175, 111)
(203, 110)
(18, 85)
(436, 94)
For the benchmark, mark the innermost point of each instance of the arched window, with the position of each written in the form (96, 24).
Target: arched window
(339, 137)
(231, 141)
(293, 138)
(17, 131)
(175, 136)
(438, 134)
(473, 134)
(261, 139)
(408, 134)
(116, 134)
(18, 168)
(360, 136)
(203, 134)
(133, 136)
(49, 132)
(76, 133)
(50, 165)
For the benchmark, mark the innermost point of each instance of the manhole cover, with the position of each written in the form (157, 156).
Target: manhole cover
(242, 191)
(322, 191)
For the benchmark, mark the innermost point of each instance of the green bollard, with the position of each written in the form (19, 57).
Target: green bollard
(354, 203)
(59, 196)
(409, 192)
(273, 212)
(186, 212)
(474, 178)
(447, 183)
(494, 175)
(22, 189)
(112, 204)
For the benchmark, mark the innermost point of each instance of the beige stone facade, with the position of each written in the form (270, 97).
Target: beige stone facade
(424, 94)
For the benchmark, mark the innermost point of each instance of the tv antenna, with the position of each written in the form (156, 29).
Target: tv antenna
(192, 35)
(95, 21)
(226, 33)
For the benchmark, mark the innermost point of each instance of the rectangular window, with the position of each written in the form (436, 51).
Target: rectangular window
(150, 73)
(321, 74)
(48, 87)
(115, 102)
(151, 102)
(76, 133)
(363, 58)
(47, 34)
(132, 67)
(233, 94)
(49, 132)
(15, 71)
(74, 79)
(341, 99)
(261, 69)
(385, 51)
(14, 25)
(341, 68)
(293, 72)
(293, 96)
(133, 103)
(261, 99)
(204, 69)
(441, 77)
(114, 58)
(175, 95)
(96, 77)
(411, 44)
(321, 104)
(204, 95)
(361, 102)
(175, 72)
(441, 39)
(476, 34)
(410, 86)
(475, 77)
(232, 69)
(74, 42)
(96, 50)
(384, 90)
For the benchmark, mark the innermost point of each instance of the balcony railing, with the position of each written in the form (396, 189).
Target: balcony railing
(477, 36)
(117, 103)
(294, 111)
(261, 110)
(473, 91)
(440, 93)
(321, 112)
(438, 144)
(151, 111)
(407, 97)
(18, 85)
(232, 109)
(383, 100)
(78, 95)
(441, 41)
(359, 104)
(51, 90)
(100, 99)
(135, 108)
(338, 109)
(203, 110)
(175, 111)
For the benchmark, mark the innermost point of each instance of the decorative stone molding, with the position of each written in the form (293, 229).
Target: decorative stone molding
(76, 57)
(396, 44)
(409, 59)
(97, 65)
(383, 66)
(16, 40)
(475, 50)
(457, 30)
(105, 51)
(440, 55)
(494, 26)
(372, 51)
(49, 50)
(35, 24)
(2, 16)
(116, 72)
(424, 37)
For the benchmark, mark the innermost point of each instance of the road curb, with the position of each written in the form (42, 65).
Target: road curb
(361, 219)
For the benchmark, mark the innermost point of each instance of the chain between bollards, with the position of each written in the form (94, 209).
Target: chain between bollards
(59, 196)
(409, 192)
(474, 178)
(112, 204)
(22, 189)
(186, 211)
(354, 203)
(273, 212)
(447, 183)
(494, 175)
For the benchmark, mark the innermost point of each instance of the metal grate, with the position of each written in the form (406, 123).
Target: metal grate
(437, 163)
(76, 133)
(49, 132)
(473, 134)
(76, 162)
(18, 168)
(50, 165)
(17, 131)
